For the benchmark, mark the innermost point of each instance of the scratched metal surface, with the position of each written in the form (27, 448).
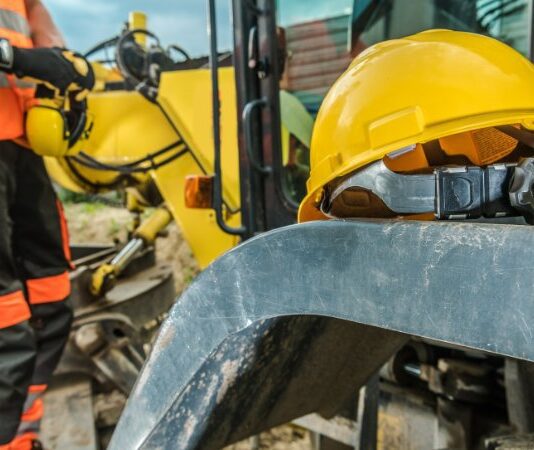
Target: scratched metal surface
(467, 284)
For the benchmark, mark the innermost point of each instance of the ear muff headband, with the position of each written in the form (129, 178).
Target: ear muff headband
(79, 128)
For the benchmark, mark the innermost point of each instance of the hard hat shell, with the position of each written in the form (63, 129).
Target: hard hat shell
(414, 90)
(52, 131)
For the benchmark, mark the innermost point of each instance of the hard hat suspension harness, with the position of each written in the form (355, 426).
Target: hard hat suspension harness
(468, 192)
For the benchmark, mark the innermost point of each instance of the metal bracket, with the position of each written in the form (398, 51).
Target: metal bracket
(522, 189)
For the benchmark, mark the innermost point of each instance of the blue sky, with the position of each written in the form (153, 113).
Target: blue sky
(86, 22)
(182, 22)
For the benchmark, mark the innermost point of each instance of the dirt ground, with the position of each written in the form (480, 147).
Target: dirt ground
(98, 223)
(281, 438)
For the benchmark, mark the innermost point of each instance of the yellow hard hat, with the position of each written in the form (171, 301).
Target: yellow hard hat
(57, 132)
(440, 86)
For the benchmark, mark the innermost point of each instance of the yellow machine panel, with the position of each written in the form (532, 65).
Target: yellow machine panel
(128, 127)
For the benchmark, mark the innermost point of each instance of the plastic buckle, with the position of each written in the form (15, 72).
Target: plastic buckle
(6, 54)
(522, 189)
(472, 192)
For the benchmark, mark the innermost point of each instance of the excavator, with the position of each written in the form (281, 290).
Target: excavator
(316, 323)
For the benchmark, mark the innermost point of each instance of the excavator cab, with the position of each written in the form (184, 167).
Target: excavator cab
(375, 21)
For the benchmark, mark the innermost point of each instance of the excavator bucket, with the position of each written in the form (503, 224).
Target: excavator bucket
(296, 320)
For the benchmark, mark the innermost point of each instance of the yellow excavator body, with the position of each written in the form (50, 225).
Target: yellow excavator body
(128, 127)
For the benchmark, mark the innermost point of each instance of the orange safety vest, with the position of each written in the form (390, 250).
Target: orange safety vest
(15, 94)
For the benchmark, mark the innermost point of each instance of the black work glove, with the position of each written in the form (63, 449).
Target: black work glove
(61, 70)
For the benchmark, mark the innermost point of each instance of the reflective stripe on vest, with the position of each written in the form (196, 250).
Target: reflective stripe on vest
(6, 82)
(13, 21)
(15, 95)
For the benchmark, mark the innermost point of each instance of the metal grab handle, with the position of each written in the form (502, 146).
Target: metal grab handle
(247, 125)
(253, 48)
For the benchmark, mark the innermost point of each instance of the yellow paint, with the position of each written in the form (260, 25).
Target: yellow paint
(153, 225)
(186, 96)
(137, 20)
(148, 231)
(104, 75)
(127, 127)
(61, 176)
(100, 277)
(198, 226)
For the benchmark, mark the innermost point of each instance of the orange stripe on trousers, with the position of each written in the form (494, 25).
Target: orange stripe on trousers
(23, 442)
(49, 289)
(13, 309)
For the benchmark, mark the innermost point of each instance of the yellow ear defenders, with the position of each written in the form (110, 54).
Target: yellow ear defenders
(58, 131)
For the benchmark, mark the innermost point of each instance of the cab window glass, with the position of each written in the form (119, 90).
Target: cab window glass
(316, 35)
(506, 20)
(322, 38)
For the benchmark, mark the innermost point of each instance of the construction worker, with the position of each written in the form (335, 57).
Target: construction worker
(34, 252)
(438, 125)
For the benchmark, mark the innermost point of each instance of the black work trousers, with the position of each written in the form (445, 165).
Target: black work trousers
(35, 317)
